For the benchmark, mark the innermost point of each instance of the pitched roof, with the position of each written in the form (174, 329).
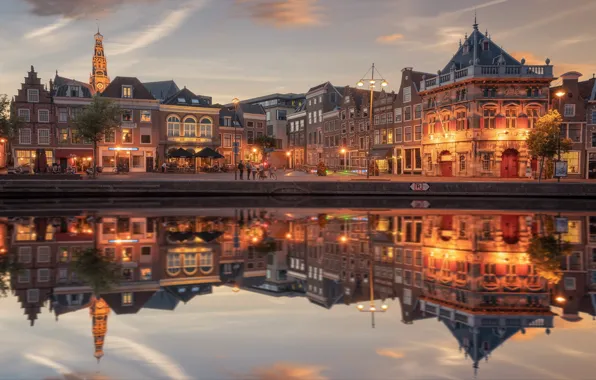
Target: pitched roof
(185, 97)
(492, 56)
(162, 90)
(61, 87)
(140, 298)
(114, 89)
(317, 87)
(252, 108)
(225, 112)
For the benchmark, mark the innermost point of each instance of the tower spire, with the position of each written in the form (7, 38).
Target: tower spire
(475, 22)
(99, 79)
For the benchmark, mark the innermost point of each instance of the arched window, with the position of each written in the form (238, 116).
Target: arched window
(190, 263)
(488, 117)
(511, 117)
(173, 264)
(460, 120)
(173, 126)
(432, 119)
(533, 115)
(206, 128)
(462, 162)
(190, 127)
(206, 263)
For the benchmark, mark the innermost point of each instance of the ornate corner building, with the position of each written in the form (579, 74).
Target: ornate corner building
(99, 79)
(479, 109)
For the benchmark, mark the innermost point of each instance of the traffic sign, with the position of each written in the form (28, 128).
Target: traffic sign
(419, 186)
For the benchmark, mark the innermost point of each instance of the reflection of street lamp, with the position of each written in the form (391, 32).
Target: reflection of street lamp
(235, 288)
(343, 151)
(235, 102)
(559, 95)
(560, 299)
(371, 82)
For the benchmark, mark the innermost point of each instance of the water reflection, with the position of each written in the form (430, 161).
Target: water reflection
(485, 276)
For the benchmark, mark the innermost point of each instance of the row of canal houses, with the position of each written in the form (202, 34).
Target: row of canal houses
(471, 271)
(469, 119)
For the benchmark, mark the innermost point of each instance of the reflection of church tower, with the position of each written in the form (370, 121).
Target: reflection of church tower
(99, 311)
(99, 77)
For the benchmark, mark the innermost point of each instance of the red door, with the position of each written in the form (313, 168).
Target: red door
(509, 164)
(446, 168)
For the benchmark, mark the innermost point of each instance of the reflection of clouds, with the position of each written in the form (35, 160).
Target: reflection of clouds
(166, 365)
(49, 363)
(288, 371)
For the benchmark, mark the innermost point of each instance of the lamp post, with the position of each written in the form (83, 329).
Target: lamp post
(289, 154)
(559, 95)
(235, 102)
(371, 82)
(343, 151)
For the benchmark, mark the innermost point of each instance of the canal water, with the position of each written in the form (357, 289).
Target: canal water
(297, 293)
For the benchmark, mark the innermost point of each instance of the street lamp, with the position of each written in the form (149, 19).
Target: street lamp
(343, 151)
(288, 154)
(372, 81)
(559, 94)
(235, 102)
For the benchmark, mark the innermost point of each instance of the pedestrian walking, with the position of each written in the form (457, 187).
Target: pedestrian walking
(248, 169)
(254, 171)
(164, 167)
(241, 168)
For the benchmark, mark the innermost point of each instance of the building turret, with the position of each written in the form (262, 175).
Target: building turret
(99, 311)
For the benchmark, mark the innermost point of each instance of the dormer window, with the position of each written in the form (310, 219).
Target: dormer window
(466, 48)
(127, 92)
(74, 91)
(181, 100)
(485, 45)
(195, 101)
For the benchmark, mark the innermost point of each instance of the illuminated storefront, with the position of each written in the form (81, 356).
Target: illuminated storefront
(27, 157)
(133, 159)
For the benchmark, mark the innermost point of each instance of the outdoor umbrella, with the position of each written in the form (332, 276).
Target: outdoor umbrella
(208, 153)
(181, 153)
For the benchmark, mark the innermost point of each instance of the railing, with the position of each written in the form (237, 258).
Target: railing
(512, 70)
(445, 78)
(431, 82)
(461, 73)
(534, 70)
(489, 70)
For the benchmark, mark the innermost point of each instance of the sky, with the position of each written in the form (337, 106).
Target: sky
(248, 48)
(249, 336)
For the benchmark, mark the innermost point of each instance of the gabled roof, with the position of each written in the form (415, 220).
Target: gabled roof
(162, 90)
(185, 97)
(224, 112)
(252, 108)
(493, 56)
(114, 300)
(185, 293)
(114, 89)
(61, 87)
(162, 300)
(317, 87)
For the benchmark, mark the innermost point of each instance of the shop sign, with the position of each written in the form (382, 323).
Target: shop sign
(123, 149)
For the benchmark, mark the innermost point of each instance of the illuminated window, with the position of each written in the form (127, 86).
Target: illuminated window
(145, 274)
(173, 126)
(173, 264)
(572, 158)
(127, 299)
(25, 233)
(126, 136)
(206, 262)
(145, 116)
(573, 235)
(205, 128)
(127, 92)
(190, 127)
(489, 120)
(533, 115)
(190, 263)
(63, 255)
(510, 117)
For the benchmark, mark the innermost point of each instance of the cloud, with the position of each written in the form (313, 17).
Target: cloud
(80, 8)
(45, 30)
(288, 371)
(389, 353)
(390, 38)
(586, 68)
(167, 26)
(284, 13)
(531, 58)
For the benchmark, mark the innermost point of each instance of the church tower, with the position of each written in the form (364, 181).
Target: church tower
(99, 79)
(99, 311)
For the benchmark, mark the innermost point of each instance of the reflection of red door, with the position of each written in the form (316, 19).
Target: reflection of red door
(510, 228)
(509, 164)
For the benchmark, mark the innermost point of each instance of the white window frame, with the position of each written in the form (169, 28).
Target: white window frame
(128, 299)
(46, 132)
(32, 95)
(400, 134)
(407, 94)
(419, 105)
(398, 115)
(63, 111)
(421, 132)
(43, 275)
(43, 252)
(593, 119)
(405, 113)
(43, 120)
(24, 114)
(569, 110)
(24, 276)
(405, 134)
(145, 112)
(25, 132)
(24, 252)
(127, 94)
(32, 295)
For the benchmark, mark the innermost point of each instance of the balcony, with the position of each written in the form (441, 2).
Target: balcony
(493, 71)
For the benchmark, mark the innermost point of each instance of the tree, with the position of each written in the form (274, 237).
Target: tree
(8, 268)
(545, 141)
(9, 123)
(98, 119)
(265, 142)
(98, 270)
(546, 253)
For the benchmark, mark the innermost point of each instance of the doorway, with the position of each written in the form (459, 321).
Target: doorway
(509, 165)
(149, 164)
(446, 164)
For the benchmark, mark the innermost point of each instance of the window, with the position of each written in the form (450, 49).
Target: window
(32, 295)
(24, 256)
(43, 136)
(250, 137)
(418, 111)
(227, 140)
(63, 115)
(569, 110)
(190, 127)
(43, 254)
(408, 134)
(127, 92)
(486, 161)
(282, 114)
(24, 115)
(398, 134)
(398, 115)
(145, 139)
(76, 112)
(574, 132)
(43, 275)
(408, 113)
(418, 133)
(137, 161)
(33, 96)
(127, 115)
(398, 276)
(43, 116)
(110, 137)
(593, 117)
(429, 163)
(593, 139)
(24, 136)
(205, 129)
(63, 135)
(390, 136)
(407, 94)
(145, 116)
(489, 118)
(510, 118)
(351, 113)
(533, 115)
(126, 136)
(127, 299)
(572, 159)
(462, 162)
(173, 126)
(460, 120)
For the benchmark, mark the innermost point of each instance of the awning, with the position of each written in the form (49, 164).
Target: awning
(181, 153)
(208, 153)
(381, 153)
(69, 153)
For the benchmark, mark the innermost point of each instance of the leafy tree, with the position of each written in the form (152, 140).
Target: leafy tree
(547, 250)
(98, 119)
(9, 123)
(265, 142)
(545, 141)
(8, 268)
(98, 270)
